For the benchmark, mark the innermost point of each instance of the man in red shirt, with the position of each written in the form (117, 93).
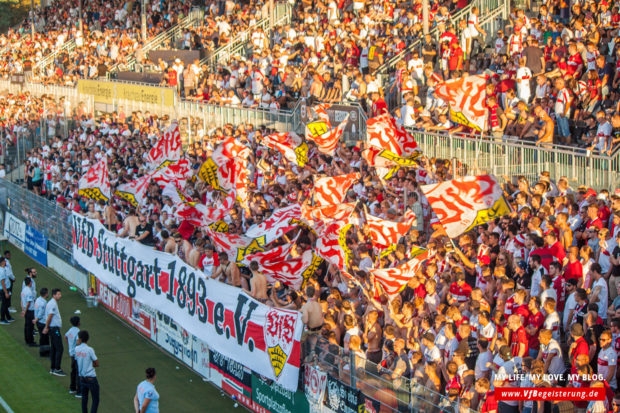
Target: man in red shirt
(541, 250)
(460, 290)
(488, 403)
(379, 107)
(535, 321)
(555, 271)
(556, 249)
(456, 57)
(574, 269)
(518, 336)
(593, 219)
(580, 345)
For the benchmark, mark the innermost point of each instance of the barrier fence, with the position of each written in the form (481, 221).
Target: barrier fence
(349, 382)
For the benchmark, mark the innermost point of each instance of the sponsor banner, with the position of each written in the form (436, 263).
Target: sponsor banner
(109, 92)
(139, 316)
(175, 339)
(232, 377)
(315, 382)
(342, 398)
(35, 245)
(550, 393)
(264, 339)
(269, 397)
(201, 352)
(15, 230)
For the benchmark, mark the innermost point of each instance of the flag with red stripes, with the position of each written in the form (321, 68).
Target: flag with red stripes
(325, 137)
(95, 183)
(384, 133)
(290, 145)
(393, 280)
(384, 233)
(331, 242)
(333, 189)
(168, 148)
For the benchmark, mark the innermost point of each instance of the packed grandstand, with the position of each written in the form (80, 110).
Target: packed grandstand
(419, 281)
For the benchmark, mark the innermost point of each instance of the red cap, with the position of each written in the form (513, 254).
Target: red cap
(485, 260)
(590, 192)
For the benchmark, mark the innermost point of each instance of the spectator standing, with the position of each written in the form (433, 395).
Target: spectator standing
(86, 362)
(9, 273)
(27, 298)
(53, 323)
(72, 336)
(39, 317)
(5, 294)
(147, 398)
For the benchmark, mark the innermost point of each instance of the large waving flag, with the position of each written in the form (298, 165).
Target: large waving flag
(384, 233)
(280, 222)
(236, 246)
(324, 136)
(201, 215)
(168, 148)
(95, 184)
(332, 190)
(466, 98)
(176, 173)
(290, 145)
(462, 204)
(331, 243)
(384, 133)
(393, 280)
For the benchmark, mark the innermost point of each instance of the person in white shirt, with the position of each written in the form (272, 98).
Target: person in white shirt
(600, 291)
(607, 359)
(5, 294)
(550, 353)
(86, 360)
(71, 337)
(571, 302)
(539, 271)
(602, 140)
(484, 360)
(9, 273)
(53, 324)
(27, 298)
(524, 77)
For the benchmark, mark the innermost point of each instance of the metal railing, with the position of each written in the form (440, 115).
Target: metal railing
(194, 17)
(397, 395)
(512, 158)
(68, 46)
(241, 43)
(42, 214)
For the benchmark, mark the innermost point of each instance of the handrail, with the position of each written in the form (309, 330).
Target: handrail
(48, 59)
(191, 19)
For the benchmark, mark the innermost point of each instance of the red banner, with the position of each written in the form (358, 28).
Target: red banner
(550, 393)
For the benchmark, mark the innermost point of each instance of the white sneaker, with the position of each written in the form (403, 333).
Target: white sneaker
(12, 310)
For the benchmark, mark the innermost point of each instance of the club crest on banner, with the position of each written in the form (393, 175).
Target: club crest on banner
(279, 333)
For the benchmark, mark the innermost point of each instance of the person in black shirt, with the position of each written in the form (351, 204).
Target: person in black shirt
(429, 50)
(144, 232)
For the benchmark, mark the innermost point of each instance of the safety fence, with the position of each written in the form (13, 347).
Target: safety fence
(491, 17)
(330, 380)
(508, 156)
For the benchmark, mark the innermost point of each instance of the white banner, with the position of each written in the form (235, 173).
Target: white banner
(231, 322)
(315, 382)
(15, 230)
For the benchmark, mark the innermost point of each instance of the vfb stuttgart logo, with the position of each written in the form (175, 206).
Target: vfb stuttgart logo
(279, 333)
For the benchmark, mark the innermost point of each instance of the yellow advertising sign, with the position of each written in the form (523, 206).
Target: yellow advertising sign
(107, 92)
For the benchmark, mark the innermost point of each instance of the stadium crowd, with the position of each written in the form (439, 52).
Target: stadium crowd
(533, 291)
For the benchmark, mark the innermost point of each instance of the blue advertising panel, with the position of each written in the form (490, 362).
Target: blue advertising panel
(35, 245)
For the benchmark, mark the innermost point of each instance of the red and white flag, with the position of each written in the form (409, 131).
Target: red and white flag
(95, 184)
(290, 145)
(321, 112)
(168, 148)
(466, 98)
(462, 204)
(201, 215)
(327, 213)
(235, 246)
(384, 233)
(326, 138)
(278, 224)
(292, 272)
(331, 243)
(393, 280)
(134, 191)
(333, 189)
(384, 133)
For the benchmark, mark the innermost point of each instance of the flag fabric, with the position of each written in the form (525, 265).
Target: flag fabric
(466, 98)
(290, 145)
(173, 191)
(168, 148)
(95, 183)
(325, 138)
(201, 215)
(384, 133)
(393, 280)
(278, 224)
(321, 112)
(332, 190)
(328, 212)
(235, 246)
(381, 158)
(462, 204)
(276, 265)
(135, 191)
(331, 243)
(384, 233)
(176, 173)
